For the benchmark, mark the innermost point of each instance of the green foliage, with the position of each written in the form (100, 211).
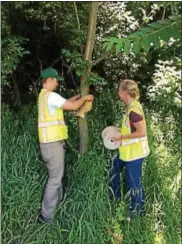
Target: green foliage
(63, 25)
(115, 233)
(60, 17)
(76, 62)
(11, 47)
(12, 52)
(95, 79)
(114, 20)
(87, 215)
(147, 36)
(80, 218)
(78, 65)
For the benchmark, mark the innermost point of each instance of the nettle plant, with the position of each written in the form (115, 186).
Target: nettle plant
(166, 90)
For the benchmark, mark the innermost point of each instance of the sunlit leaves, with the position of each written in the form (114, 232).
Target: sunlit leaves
(136, 46)
(127, 46)
(145, 36)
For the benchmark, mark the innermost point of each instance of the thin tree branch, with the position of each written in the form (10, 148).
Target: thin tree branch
(103, 56)
(55, 61)
(76, 12)
(151, 14)
(164, 12)
(78, 22)
(69, 71)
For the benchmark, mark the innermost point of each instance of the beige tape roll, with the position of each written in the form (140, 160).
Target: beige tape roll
(86, 107)
(107, 134)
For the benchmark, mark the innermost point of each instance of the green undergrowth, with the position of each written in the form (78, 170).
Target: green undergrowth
(86, 216)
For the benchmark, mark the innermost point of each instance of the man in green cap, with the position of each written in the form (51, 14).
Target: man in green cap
(53, 132)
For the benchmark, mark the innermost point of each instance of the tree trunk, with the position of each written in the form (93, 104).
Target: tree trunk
(84, 87)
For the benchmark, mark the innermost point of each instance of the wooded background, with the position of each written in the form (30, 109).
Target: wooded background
(92, 45)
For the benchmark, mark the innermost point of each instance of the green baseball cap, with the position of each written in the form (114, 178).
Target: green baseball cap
(50, 72)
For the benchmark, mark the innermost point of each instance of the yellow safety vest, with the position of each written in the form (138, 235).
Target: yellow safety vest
(50, 128)
(132, 149)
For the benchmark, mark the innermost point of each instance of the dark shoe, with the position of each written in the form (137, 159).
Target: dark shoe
(41, 219)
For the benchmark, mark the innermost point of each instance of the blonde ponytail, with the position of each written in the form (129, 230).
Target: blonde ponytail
(131, 87)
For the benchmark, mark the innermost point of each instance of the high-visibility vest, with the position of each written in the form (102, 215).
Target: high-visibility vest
(132, 149)
(50, 128)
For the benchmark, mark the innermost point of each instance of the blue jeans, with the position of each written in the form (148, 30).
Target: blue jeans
(133, 174)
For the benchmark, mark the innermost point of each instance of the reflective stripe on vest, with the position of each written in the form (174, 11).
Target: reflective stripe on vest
(132, 141)
(46, 124)
(42, 116)
(44, 138)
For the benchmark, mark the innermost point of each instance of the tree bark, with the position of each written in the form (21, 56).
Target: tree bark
(84, 87)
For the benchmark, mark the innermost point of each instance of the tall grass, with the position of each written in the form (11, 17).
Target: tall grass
(86, 216)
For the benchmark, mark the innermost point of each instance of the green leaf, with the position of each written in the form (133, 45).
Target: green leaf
(164, 22)
(146, 30)
(127, 47)
(105, 45)
(165, 34)
(175, 17)
(114, 39)
(135, 35)
(155, 40)
(146, 42)
(178, 25)
(26, 52)
(111, 42)
(136, 46)
(163, 29)
(118, 47)
(155, 25)
(79, 73)
(109, 46)
(175, 32)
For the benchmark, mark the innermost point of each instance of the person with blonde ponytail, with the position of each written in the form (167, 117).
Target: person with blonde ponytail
(133, 149)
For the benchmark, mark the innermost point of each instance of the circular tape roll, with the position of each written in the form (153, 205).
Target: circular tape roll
(107, 134)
